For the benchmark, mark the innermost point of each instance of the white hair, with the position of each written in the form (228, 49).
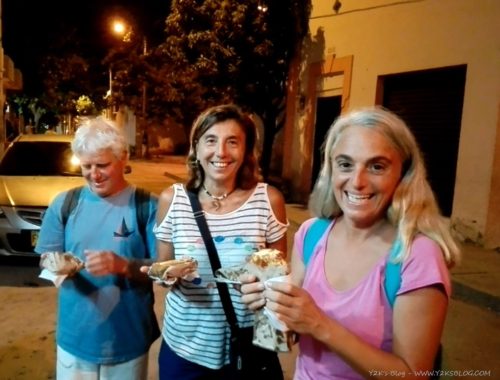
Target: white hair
(98, 134)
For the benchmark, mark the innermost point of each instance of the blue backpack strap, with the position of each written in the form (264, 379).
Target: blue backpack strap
(313, 234)
(392, 281)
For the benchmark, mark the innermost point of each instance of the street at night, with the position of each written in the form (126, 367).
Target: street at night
(28, 304)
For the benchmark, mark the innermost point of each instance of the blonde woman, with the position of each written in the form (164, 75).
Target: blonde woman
(373, 190)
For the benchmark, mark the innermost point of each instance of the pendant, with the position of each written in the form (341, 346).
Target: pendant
(216, 204)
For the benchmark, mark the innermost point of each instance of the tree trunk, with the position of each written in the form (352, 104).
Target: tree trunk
(269, 120)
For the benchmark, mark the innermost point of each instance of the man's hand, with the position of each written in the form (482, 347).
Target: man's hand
(102, 263)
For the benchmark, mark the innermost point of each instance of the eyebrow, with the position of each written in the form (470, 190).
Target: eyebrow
(212, 135)
(371, 159)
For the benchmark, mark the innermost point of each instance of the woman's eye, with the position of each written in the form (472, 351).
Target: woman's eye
(344, 165)
(378, 167)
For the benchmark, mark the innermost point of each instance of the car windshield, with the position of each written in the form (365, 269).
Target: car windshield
(39, 158)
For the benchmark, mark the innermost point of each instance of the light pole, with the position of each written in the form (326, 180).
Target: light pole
(119, 29)
(124, 30)
(143, 137)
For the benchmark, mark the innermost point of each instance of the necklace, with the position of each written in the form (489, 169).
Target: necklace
(216, 199)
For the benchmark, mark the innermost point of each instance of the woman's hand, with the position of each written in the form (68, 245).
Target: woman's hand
(295, 307)
(252, 292)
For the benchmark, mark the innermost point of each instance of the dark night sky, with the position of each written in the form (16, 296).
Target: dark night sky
(29, 27)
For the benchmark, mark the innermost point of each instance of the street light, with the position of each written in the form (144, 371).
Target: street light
(125, 31)
(119, 29)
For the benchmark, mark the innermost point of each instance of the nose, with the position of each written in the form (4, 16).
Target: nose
(358, 178)
(221, 149)
(95, 173)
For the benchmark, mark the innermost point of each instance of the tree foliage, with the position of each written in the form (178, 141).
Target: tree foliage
(129, 72)
(68, 71)
(214, 51)
(227, 51)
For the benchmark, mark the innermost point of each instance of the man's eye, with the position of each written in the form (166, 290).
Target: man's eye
(210, 141)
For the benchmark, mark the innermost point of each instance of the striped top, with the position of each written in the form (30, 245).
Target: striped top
(195, 325)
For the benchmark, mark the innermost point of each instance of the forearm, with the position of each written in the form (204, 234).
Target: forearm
(371, 362)
(413, 350)
(131, 269)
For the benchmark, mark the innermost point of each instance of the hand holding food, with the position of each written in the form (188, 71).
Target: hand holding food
(264, 264)
(61, 263)
(171, 270)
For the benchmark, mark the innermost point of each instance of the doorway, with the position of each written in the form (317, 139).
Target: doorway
(431, 102)
(327, 110)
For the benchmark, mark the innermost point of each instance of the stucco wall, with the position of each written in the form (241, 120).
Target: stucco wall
(387, 37)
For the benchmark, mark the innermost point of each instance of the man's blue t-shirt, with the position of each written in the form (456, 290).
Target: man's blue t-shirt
(107, 319)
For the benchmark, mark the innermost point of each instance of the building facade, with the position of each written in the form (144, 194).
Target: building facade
(434, 62)
(10, 79)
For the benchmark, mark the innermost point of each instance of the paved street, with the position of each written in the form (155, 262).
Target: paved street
(471, 339)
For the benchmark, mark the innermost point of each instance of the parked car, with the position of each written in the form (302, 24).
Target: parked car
(33, 170)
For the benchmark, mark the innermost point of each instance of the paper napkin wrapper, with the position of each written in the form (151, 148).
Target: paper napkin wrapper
(267, 264)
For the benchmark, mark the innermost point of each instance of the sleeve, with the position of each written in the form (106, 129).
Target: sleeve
(424, 267)
(275, 229)
(51, 235)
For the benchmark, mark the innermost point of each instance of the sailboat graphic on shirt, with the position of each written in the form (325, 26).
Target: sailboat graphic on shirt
(123, 231)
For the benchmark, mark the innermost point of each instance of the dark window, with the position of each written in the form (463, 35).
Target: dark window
(41, 158)
(327, 110)
(431, 103)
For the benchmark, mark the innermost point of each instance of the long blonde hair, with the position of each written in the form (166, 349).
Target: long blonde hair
(413, 208)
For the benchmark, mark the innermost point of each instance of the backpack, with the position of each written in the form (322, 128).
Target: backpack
(392, 280)
(141, 197)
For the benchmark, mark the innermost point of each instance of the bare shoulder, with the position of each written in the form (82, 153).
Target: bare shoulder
(277, 201)
(167, 195)
(164, 201)
(275, 196)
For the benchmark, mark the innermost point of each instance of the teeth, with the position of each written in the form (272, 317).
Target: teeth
(220, 164)
(357, 198)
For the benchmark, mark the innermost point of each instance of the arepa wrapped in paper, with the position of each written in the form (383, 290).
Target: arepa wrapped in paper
(61, 263)
(170, 271)
(266, 264)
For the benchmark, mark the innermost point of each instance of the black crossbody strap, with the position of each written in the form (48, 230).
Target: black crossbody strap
(199, 216)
